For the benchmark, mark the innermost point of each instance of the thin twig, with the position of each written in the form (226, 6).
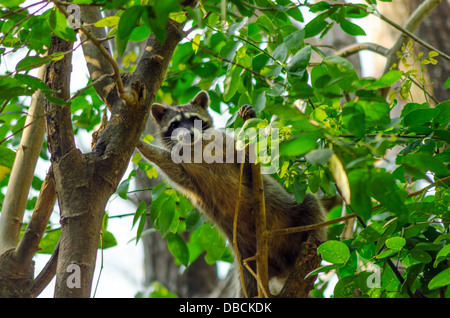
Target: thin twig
(303, 228)
(127, 97)
(407, 31)
(356, 47)
(262, 240)
(236, 248)
(208, 51)
(256, 276)
(366, 10)
(101, 78)
(419, 192)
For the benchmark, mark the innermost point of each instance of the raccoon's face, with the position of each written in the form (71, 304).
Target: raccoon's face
(183, 124)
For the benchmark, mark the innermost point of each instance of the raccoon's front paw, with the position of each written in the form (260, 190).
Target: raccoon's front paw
(247, 112)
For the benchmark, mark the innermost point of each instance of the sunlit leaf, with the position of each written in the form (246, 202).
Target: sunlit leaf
(334, 252)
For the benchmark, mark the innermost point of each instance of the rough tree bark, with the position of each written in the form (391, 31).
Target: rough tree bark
(84, 182)
(16, 264)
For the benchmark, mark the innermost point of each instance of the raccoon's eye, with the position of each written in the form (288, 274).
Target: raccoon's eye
(195, 118)
(174, 125)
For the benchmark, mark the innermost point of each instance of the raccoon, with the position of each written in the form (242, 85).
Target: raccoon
(212, 186)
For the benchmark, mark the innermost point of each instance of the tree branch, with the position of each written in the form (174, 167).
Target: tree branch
(60, 134)
(262, 242)
(407, 31)
(410, 26)
(297, 286)
(126, 96)
(29, 243)
(235, 245)
(356, 47)
(22, 172)
(304, 228)
(419, 192)
(46, 275)
(85, 182)
(97, 64)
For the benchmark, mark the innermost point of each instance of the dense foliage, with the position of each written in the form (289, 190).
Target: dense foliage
(337, 130)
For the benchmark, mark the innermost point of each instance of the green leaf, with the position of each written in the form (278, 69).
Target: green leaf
(420, 255)
(316, 25)
(299, 62)
(388, 79)
(212, 242)
(265, 24)
(31, 62)
(110, 21)
(369, 235)
(160, 291)
(140, 33)
(33, 82)
(300, 144)
(231, 83)
(49, 242)
(294, 40)
(395, 243)
(387, 253)
(361, 203)
(411, 274)
(194, 220)
(12, 3)
(447, 83)
(334, 252)
(140, 211)
(345, 287)
(444, 114)
(319, 6)
(440, 280)
(166, 215)
(319, 156)
(40, 36)
(353, 118)
(126, 25)
(341, 69)
(299, 189)
(442, 255)
(178, 248)
(324, 269)
(140, 228)
(383, 188)
(7, 157)
(420, 116)
(58, 24)
(419, 163)
(296, 14)
(158, 15)
(351, 28)
(157, 203)
(122, 189)
(376, 112)
(107, 240)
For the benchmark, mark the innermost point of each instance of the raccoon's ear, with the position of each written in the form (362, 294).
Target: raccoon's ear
(158, 111)
(201, 99)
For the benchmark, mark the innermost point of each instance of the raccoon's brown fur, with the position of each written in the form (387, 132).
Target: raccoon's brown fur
(213, 189)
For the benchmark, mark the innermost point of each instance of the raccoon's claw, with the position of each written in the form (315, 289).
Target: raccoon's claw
(247, 112)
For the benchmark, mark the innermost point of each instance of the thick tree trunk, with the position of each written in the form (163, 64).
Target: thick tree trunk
(84, 183)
